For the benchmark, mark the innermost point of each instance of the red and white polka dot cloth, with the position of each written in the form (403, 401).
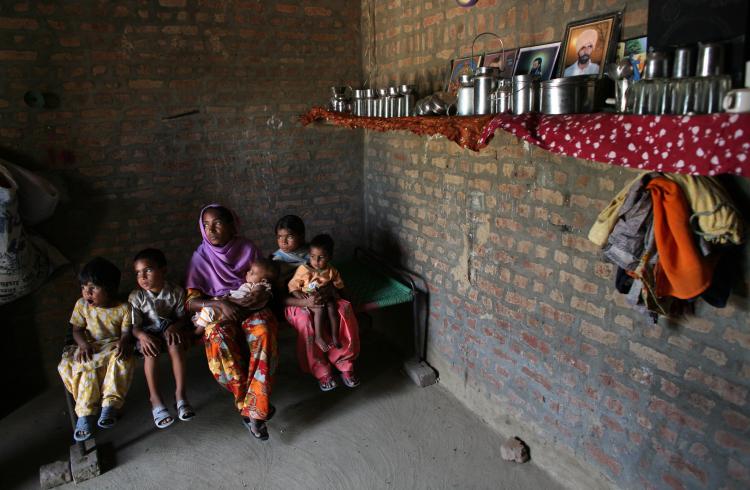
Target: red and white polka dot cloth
(707, 144)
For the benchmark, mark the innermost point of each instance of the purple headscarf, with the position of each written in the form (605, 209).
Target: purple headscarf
(216, 270)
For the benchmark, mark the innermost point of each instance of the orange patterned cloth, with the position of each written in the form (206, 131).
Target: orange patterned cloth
(248, 378)
(463, 130)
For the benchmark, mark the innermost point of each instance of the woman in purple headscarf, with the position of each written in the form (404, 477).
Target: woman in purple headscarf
(217, 267)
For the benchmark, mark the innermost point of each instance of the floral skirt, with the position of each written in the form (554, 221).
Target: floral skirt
(243, 360)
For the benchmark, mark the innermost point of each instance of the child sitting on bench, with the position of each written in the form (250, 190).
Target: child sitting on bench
(98, 369)
(159, 324)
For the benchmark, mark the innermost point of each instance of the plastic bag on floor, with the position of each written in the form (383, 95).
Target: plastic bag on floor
(25, 260)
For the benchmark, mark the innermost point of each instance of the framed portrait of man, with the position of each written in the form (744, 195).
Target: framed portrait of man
(589, 44)
(537, 60)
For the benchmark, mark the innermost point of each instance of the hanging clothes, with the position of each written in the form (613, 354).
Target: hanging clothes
(681, 271)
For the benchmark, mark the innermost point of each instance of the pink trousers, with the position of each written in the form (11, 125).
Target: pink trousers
(313, 360)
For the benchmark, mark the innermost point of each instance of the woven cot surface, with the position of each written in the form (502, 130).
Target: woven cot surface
(370, 287)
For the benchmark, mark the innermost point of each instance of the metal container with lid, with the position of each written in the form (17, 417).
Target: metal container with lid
(382, 95)
(409, 99)
(485, 79)
(465, 104)
(657, 65)
(359, 104)
(568, 95)
(525, 94)
(503, 96)
(371, 103)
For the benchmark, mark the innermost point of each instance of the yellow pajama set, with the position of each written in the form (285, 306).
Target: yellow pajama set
(104, 380)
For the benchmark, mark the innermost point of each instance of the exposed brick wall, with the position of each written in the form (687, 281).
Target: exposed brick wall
(523, 309)
(135, 179)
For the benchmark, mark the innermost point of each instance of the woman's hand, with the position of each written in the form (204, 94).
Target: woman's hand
(254, 301)
(84, 353)
(228, 308)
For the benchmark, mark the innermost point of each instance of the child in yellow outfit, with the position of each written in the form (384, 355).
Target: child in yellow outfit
(98, 370)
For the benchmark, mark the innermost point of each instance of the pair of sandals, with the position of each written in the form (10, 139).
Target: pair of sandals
(163, 419)
(84, 430)
(329, 383)
(258, 428)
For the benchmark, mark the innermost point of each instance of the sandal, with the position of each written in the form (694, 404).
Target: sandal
(350, 379)
(256, 427)
(162, 417)
(83, 430)
(327, 383)
(108, 417)
(185, 411)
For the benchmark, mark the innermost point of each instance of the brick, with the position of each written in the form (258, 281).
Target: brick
(675, 415)
(10, 55)
(614, 467)
(737, 337)
(736, 420)
(598, 334)
(728, 391)
(18, 23)
(731, 441)
(652, 356)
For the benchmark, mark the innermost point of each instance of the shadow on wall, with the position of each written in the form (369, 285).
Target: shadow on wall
(37, 323)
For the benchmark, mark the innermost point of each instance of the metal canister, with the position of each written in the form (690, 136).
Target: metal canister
(371, 103)
(568, 95)
(465, 104)
(382, 102)
(682, 66)
(485, 78)
(503, 95)
(407, 92)
(710, 59)
(525, 94)
(359, 104)
(392, 102)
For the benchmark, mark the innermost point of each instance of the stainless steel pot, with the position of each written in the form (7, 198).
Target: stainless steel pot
(568, 95)
(465, 104)
(484, 83)
(525, 94)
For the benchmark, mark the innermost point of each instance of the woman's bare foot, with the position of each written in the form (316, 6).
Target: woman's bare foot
(322, 344)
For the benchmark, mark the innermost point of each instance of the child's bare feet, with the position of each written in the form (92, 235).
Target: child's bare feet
(322, 344)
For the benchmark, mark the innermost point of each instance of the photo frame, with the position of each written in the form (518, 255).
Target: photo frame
(537, 60)
(492, 59)
(589, 44)
(636, 49)
(460, 66)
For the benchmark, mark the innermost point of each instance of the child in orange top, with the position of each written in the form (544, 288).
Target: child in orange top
(318, 278)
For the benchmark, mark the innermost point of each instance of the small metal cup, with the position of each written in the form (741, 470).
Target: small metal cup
(682, 66)
(710, 59)
(657, 65)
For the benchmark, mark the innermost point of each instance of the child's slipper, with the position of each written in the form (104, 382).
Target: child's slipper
(257, 428)
(185, 412)
(162, 417)
(108, 417)
(83, 430)
(350, 379)
(327, 383)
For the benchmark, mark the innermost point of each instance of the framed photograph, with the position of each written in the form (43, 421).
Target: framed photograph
(634, 49)
(537, 60)
(507, 59)
(588, 45)
(462, 66)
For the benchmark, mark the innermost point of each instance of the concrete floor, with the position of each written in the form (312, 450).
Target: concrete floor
(388, 433)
